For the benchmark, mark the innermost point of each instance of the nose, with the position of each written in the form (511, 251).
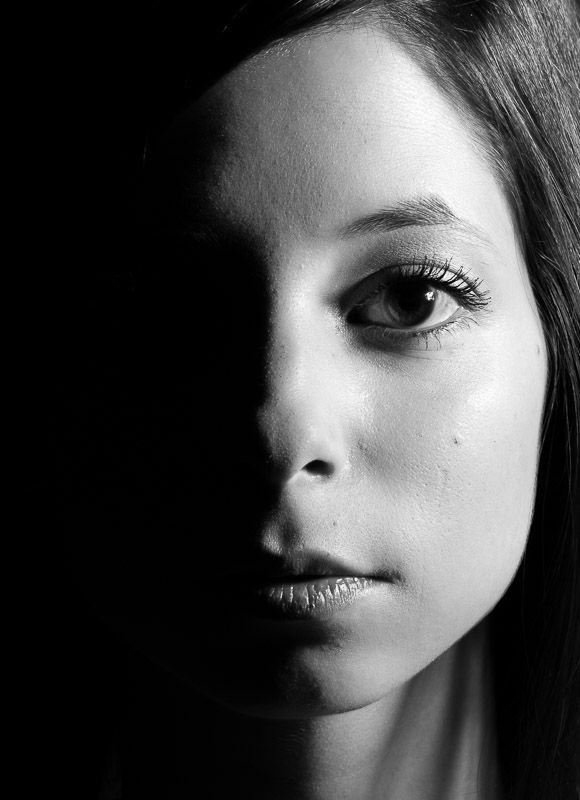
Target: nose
(302, 422)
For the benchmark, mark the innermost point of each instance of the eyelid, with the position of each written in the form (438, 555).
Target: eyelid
(457, 283)
(439, 272)
(382, 337)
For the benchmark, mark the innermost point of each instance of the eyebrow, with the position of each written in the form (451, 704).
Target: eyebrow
(422, 211)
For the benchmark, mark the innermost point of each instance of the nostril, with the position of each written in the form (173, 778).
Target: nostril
(319, 467)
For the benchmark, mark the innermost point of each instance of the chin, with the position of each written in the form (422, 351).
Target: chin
(301, 682)
(297, 690)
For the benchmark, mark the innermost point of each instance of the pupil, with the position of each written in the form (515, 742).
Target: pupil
(413, 303)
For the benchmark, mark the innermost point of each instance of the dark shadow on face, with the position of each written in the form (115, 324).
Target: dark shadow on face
(167, 474)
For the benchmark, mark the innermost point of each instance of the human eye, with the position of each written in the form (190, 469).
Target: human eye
(414, 304)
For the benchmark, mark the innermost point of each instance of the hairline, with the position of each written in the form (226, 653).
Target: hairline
(423, 54)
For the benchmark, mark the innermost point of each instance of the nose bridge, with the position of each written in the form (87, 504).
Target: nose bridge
(300, 420)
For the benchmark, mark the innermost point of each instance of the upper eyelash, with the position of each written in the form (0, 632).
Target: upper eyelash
(465, 288)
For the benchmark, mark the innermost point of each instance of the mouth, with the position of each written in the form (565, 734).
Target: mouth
(300, 597)
(304, 586)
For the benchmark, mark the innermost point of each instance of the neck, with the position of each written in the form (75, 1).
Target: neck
(432, 739)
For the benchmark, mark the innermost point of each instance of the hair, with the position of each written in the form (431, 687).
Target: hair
(513, 66)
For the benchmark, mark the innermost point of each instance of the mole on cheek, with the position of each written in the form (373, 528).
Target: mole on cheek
(457, 439)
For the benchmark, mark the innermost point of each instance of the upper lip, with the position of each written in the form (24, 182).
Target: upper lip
(303, 564)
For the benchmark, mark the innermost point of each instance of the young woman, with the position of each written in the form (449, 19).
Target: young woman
(324, 479)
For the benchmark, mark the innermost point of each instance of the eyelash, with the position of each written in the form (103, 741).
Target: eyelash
(457, 282)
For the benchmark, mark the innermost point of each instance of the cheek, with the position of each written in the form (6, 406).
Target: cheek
(460, 473)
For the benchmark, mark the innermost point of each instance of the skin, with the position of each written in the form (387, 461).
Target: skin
(400, 458)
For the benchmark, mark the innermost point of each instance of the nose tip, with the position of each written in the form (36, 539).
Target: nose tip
(303, 444)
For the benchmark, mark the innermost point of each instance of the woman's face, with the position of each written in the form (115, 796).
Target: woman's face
(360, 371)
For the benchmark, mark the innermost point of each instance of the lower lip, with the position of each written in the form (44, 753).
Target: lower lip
(317, 598)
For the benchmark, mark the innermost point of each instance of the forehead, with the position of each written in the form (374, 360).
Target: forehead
(308, 135)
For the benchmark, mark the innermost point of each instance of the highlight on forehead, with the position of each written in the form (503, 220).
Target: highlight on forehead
(195, 149)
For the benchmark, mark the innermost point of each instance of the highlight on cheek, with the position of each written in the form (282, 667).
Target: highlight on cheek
(417, 302)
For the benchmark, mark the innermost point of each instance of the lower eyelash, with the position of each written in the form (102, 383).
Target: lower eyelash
(383, 335)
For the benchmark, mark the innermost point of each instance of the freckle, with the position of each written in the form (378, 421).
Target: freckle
(334, 523)
(456, 440)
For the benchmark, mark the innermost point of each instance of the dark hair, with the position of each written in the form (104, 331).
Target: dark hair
(513, 66)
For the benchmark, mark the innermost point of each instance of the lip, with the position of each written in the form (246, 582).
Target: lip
(300, 565)
(298, 585)
(305, 598)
